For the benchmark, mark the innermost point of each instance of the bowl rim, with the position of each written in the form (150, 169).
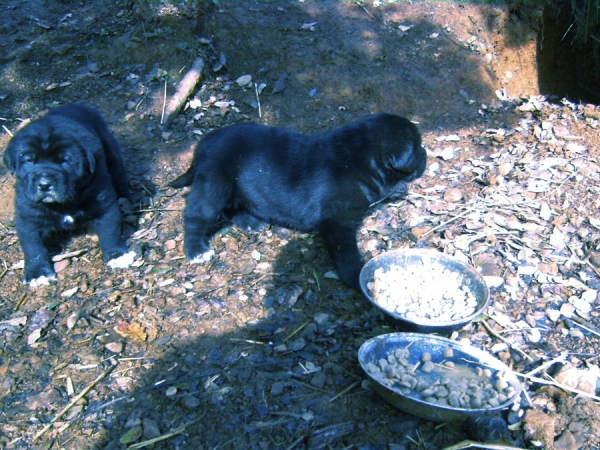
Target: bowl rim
(429, 252)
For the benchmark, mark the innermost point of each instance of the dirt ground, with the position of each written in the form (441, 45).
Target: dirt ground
(258, 349)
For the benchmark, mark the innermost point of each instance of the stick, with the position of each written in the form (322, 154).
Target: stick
(170, 434)
(464, 213)
(506, 341)
(72, 403)
(564, 387)
(184, 90)
(547, 364)
(162, 117)
(20, 302)
(257, 100)
(352, 386)
(471, 444)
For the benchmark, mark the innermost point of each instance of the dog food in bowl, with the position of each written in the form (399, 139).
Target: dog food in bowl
(410, 290)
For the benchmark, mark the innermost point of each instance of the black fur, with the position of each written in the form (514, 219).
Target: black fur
(69, 172)
(324, 183)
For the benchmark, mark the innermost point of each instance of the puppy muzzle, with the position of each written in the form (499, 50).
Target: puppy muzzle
(45, 188)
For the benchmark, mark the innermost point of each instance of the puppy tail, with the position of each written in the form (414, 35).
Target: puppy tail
(184, 180)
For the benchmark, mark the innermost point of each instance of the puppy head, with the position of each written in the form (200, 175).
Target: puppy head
(52, 159)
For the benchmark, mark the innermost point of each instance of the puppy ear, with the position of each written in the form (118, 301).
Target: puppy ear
(9, 159)
(404, 160)
(91, 158)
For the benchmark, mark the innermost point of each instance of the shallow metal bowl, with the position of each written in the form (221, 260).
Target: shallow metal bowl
(473, 281)
(380, 347)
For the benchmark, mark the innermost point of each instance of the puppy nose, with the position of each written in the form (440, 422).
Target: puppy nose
(45, 183)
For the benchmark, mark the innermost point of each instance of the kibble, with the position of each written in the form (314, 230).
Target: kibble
(410, 292)
(452, 385)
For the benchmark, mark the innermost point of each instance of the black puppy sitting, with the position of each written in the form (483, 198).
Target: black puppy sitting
(325, 182)
(69, 172)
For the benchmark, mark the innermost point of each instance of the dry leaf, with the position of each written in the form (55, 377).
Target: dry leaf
(133, 330)
(545, 211)
(33, 337)
(594, 222)
(15, 322)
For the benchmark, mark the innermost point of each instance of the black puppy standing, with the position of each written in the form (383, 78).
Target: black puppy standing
(324, 183)
(69, 172)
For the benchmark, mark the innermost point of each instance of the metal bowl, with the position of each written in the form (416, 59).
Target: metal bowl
(380, 347)
(472, 280)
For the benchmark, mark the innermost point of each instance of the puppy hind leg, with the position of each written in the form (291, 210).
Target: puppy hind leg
(340, 240)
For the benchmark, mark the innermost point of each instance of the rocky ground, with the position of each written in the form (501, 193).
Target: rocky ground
(258, 349)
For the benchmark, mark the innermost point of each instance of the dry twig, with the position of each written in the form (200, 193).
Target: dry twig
(163, 437)
(512, 345)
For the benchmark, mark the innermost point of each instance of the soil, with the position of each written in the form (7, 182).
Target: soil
(258, 349)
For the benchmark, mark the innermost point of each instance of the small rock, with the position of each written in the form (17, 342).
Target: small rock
(7, 383)
(453, 195)
(245, 266)
(318, 380)
(115, 347)
(171, 392)
(190, 402)
(244, 80)
(264, 267)
(553, 314)
(560, 131)
(151, 429)
(582, 379)
(566, 441)
(297, 345)
(575, 147)
(61, 265)
(277, 388)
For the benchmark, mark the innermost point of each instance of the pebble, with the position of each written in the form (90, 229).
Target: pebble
(115, 347)
(318, 380)
(553, 314)
(244, 80)
(453, 195)
(190, 402)
(151, 430)
(277, 388)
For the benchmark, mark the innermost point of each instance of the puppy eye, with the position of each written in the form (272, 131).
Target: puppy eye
(65, 159)
(27, 159)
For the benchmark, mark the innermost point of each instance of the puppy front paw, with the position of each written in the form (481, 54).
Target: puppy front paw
(122, 262)
(202, 257)
(42, 280)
